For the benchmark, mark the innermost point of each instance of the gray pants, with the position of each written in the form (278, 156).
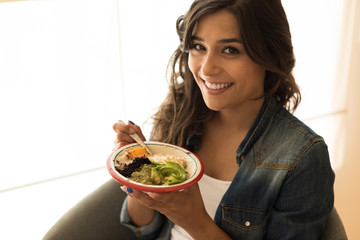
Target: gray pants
(96, 217)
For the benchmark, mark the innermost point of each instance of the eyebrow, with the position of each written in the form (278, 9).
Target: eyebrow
(226, 40)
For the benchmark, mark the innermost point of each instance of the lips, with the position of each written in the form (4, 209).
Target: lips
(214, 87)
(217, 86)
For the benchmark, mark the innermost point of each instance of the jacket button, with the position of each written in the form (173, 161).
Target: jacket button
(242, 157)
(247, 223)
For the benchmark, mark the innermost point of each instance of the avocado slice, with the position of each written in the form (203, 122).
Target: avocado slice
(157, 176)
(170, 173)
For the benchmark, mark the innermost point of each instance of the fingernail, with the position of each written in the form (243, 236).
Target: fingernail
(131, 122)
(129, 190)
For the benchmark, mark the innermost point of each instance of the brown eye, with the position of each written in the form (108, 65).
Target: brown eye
(197, 47)
(231, 50)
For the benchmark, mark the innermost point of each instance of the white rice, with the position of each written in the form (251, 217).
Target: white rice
(161, 159)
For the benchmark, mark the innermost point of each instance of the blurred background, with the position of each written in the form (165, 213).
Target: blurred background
(69, 69)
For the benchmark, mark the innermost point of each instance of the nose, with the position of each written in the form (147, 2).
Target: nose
(210, 65)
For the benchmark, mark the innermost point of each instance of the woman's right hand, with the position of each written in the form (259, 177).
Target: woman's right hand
(122, 133)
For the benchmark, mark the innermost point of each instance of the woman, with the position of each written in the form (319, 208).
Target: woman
(267, 175)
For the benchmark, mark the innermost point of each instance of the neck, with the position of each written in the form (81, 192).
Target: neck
(239, 119)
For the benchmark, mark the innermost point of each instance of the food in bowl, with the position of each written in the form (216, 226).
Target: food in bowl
(139, 166)
(192, 165)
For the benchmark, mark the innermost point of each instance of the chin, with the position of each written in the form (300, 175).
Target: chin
(214, 106)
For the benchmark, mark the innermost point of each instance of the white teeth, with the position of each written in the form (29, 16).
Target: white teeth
(217, 86)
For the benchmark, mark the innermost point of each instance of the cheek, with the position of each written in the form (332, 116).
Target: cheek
(250, 72)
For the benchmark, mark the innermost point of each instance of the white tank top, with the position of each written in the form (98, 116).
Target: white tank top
(212, 190)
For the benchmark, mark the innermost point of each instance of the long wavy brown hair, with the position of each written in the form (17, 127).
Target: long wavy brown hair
(266, 38)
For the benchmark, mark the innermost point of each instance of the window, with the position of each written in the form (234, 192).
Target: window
(70, 69)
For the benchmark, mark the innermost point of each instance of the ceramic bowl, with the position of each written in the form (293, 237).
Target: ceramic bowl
(194, 167)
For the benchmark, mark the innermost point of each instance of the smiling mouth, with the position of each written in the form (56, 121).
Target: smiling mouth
(217, 86)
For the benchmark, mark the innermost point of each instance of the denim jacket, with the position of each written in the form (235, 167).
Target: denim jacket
(283, 188)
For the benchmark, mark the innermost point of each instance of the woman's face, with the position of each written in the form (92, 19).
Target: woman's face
(226, 76)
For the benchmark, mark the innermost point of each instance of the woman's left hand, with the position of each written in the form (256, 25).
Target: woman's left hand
(184, 208)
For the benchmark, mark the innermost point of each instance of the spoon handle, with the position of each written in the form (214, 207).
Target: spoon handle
(139, 141)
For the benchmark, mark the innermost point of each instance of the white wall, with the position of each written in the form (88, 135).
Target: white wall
(69, 69)
(347, 185)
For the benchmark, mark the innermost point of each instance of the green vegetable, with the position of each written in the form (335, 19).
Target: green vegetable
(157, 174)
(170, 173)
(143, 175)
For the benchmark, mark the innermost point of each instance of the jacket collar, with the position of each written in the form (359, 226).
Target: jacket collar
(257, 129)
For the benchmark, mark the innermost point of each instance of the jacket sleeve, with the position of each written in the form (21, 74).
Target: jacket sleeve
(150, 231)
(306, 197)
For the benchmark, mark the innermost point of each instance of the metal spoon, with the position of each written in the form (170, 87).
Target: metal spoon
(139, 141)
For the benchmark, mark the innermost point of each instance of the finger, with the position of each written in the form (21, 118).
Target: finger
(137, 130)
(123, 188)
(146, 200)
(122, 136)
(165, 197)
(120, 126)
(174, 197)
(167, 203)
(126, 189)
